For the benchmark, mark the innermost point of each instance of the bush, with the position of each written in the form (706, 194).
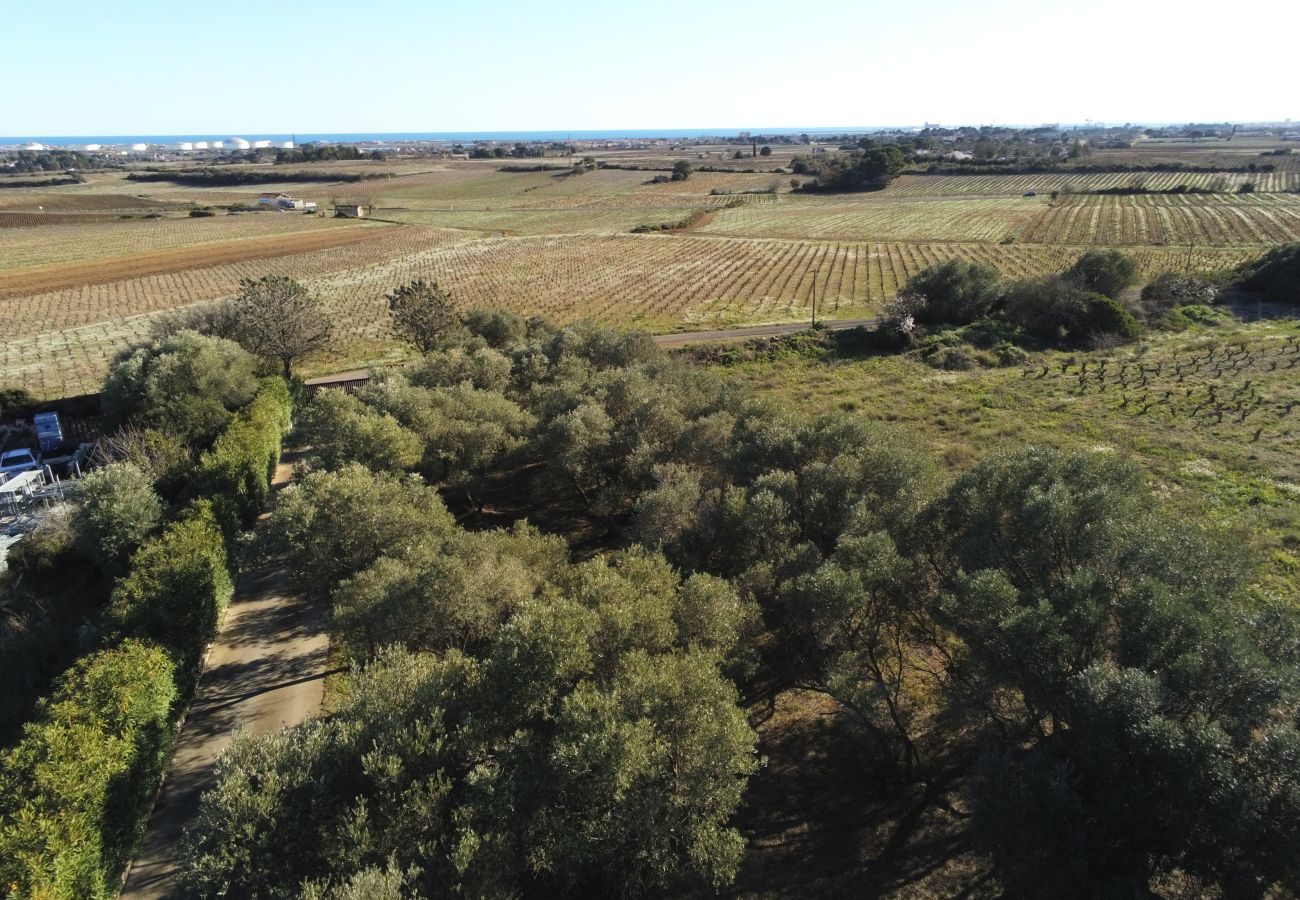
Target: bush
(16, 403)
(956, 292)
(177, 590)
(75, 790)
(1105, 316)
(202, 213)
(1199, 314)
(1276, 274)
(952, 359)
(1009, 354)
(118, 511)
(1058, 312)
(236, 473)
(186, 384)
(1105, 272)
(340, 429)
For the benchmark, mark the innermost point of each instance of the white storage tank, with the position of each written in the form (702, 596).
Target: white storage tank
(218, 145)
(184, 146)
(139, 148)
(32, 145)
(92, 148)
(261, 145)
(286, 145)
(238, 144)
(200, 145)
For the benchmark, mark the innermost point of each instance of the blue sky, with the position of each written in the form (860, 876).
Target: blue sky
(239, 66)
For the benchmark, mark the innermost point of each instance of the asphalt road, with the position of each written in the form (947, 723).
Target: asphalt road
(675, 339)
(265, 671)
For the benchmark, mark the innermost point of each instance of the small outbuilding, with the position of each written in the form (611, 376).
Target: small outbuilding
(349, 211)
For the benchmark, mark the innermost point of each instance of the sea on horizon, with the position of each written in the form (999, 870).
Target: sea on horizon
(396, 136)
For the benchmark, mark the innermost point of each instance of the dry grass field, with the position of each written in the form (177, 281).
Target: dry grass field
(85, 268)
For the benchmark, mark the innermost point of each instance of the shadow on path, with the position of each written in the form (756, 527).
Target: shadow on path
(266, 671)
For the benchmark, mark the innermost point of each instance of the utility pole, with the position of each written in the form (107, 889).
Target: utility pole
(814, 298)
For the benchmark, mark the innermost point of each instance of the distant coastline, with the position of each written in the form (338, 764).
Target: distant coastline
(416, 136)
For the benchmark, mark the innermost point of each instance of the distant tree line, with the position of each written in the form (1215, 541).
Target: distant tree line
(40, 182)
(326, 153)
(870, 168)
(54, 161)
(234, 177)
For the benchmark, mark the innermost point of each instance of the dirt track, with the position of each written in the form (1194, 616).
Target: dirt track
(264, 672)
(43, 279)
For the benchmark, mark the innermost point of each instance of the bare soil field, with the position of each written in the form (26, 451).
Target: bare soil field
(43, 279)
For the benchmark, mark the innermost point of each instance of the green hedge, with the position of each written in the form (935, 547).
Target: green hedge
(236, 473)
(177, 591)
(75, 791)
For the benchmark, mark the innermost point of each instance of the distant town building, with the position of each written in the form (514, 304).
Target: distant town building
(33, 146)
(958, 155)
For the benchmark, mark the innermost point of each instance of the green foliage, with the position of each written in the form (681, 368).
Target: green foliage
(1106, 317)
(586, 750)
(1118, 632)
(1105, 272)
(956, 292)
(340, 429)
(681, 170)
(16, 403)
(186, 384)
(442, 595)
(1275, 275)
(74, 791)
(177, 590)
(119, 509)
(423, 314)
(871, 169)
(1056, 311)
(482, 368)
(334, 524)
(236, 473)
(465, 430)
(501, 328)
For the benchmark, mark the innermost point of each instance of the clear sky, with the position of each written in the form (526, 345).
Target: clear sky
(283, 66)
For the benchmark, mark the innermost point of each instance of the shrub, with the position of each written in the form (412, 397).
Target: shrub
(1201, 315)
(187, 384)
(202, 213)
(1105, 272)
(1106, 316)
(1009, 354)
(1276, 274)
(236, 473)
(956, 292)
(177, 590)
(118, 511)
(952, 359)
(75, 790)
(340, 429)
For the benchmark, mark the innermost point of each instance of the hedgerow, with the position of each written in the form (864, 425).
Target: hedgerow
(76, 790)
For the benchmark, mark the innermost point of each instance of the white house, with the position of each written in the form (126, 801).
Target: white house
(283, 201)
(958, 155)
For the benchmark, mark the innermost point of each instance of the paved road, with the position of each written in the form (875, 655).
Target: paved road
(675, 339)
(265, 671)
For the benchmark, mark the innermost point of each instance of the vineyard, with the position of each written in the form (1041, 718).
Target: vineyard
(881, 217)
(1146, 219)
(61, 342)
(1082, 182)
(70, 243)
